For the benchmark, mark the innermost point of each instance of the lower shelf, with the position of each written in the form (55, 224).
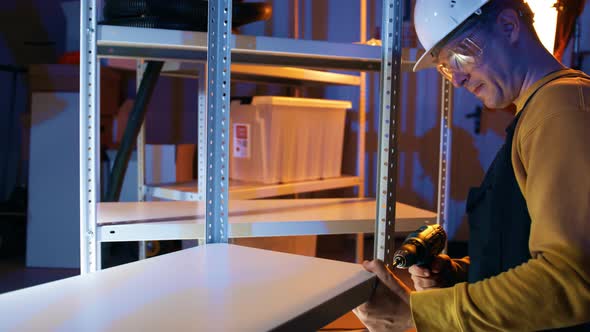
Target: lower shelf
(216, 287)
(139, 221)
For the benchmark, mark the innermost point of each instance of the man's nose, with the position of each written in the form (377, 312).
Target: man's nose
(459, 79)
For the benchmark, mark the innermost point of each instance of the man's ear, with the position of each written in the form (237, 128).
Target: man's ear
(509, 25)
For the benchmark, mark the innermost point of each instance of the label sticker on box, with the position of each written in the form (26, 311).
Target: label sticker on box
(241, 140)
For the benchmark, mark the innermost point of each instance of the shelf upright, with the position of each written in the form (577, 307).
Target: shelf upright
(362, 110)
(141, 188)
(218, 99)
(202, 132)
(391, 53)
(444, 165)
(89, 137)
(140, 69)
(362, 119)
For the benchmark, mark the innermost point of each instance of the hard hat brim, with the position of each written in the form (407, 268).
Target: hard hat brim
(425, 61)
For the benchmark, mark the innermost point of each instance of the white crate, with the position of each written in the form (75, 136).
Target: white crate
(285, 139)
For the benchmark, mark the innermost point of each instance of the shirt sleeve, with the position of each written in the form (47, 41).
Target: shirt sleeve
(552, 289)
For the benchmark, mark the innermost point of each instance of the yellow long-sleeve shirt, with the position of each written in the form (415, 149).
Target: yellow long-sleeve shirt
(551, 161)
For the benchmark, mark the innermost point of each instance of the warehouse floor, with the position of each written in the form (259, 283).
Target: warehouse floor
(15, 275)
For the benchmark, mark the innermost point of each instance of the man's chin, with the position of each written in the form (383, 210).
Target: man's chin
(495, 105)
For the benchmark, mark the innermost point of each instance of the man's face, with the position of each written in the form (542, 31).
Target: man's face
(479, 60)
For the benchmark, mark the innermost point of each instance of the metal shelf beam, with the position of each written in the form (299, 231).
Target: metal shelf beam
(250, 218)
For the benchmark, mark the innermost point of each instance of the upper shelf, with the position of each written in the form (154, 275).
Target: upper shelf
(117, 41)
(187, 191)
(251, 73)
(272, 74)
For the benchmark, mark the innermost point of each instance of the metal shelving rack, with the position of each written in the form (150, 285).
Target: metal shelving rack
(262, 74)
(210, 215)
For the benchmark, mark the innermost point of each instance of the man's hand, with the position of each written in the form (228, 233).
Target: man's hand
(388, 279)
(443, 272)
(388, 308)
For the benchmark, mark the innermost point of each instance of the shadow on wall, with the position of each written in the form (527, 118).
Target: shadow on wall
(418, 146)
(418, 163)
(421, 172)
(31, 32)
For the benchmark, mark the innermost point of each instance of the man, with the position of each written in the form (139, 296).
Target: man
(529, 264)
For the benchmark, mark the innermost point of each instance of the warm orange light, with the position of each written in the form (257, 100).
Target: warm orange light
(545, 21)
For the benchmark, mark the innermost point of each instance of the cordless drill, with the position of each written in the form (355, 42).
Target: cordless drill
(420, 246)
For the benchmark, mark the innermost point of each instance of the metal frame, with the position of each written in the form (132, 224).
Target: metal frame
(362, 114)
(444, 165)
(190, 229)
(362, 110)
(387, 162)
(89, 138)
(140, 69)
(221, 46)
(218, 100)
(202, 132)
(251, 218)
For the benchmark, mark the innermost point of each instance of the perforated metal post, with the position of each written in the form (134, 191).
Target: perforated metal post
(362, 114)
(218, 76)
(444, 165)
(140, 68)
(202, 133)
(389, 106)
(362, 110)
(89, 134)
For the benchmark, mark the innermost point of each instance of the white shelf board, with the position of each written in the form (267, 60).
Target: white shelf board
(217, 287)
(137, 221)
(163, 44)
(187, 191)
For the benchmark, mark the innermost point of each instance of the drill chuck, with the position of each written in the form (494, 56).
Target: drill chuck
(420, 246)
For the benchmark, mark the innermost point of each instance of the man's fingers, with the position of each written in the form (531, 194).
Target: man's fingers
(371, 266)
(440, 263)
(419, 271)
(390, 280)
(425, 283)
(377, 267)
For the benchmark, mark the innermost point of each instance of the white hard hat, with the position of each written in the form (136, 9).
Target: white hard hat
(435, 19)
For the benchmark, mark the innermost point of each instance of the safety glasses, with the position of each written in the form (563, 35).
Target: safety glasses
(461, 57)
